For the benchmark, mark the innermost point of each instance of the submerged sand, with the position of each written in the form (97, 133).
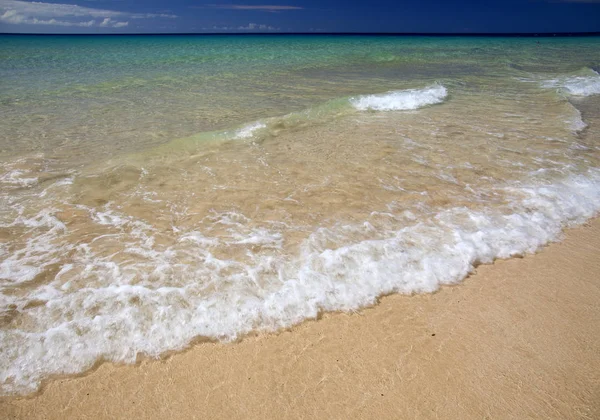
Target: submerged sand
(518, 339)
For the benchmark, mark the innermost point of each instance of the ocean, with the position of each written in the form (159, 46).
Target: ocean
(158, 191)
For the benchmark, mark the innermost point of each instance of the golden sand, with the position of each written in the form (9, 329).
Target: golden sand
(518, 339)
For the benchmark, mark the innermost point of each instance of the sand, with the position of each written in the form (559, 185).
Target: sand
(518, 339)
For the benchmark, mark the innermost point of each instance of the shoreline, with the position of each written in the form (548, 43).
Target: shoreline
(519, 338)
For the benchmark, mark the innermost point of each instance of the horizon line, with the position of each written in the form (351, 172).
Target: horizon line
(498, 34)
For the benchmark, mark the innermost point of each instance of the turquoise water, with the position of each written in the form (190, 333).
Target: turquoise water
(160, 189)
(180, 85)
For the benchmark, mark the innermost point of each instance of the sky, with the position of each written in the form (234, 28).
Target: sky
(272, 16)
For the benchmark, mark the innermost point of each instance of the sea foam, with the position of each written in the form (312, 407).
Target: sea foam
(401, 99)
(584, 85)
(125, 316)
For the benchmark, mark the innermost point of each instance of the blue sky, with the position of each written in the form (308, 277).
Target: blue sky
(248, 16)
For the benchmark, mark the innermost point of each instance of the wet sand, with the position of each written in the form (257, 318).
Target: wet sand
(518, 339)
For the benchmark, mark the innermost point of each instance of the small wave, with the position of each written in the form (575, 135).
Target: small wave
(585, 85)
(401, 99)
(409, 99)
(247, 131)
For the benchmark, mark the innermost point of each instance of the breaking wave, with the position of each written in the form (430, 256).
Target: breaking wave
(401, 99)
(119, 314)
(587, 84)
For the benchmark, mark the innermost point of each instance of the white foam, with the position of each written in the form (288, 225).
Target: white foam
(577, 85)
(60, 183)
(22, 265)
(576, 122)
(401, 99)
(249, 130)
(161, 298)
(16, 177)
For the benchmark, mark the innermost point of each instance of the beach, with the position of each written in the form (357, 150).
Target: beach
(520, 338)
(395, 204)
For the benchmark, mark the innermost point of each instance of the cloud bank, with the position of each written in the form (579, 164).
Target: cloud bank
(37, 13)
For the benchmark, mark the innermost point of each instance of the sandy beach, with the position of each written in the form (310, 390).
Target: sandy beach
(518, 339)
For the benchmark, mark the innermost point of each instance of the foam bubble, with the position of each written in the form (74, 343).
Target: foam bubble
(401, 99)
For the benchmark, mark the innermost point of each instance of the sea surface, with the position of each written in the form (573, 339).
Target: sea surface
(160, 190)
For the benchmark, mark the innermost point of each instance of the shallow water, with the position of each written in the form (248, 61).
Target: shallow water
(160, 189)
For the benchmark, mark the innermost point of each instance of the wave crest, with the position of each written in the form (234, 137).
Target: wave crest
(247, 131)
(586, 85)
(401, 99)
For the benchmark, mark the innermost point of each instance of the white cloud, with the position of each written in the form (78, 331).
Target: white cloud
(249, 27)
(219, 28)
(38, 13)
(257, 27)
(264, 7)
(11, 16)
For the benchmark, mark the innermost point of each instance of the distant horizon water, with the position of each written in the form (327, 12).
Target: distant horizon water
(315, 33)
